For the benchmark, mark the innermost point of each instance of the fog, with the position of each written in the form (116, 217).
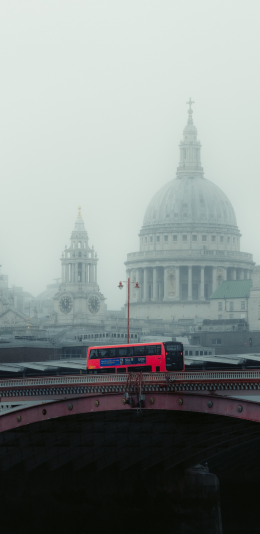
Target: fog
(93, 105)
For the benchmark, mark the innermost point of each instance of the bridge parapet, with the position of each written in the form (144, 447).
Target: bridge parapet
(147, 378)
(54, 388)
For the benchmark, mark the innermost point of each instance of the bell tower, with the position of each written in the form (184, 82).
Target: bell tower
(79, 261)
(79, 300)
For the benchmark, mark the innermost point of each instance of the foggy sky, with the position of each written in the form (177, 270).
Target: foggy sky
(92, 109)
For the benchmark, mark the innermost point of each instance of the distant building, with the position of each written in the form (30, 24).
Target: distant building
(189, 243)
(238, 299)
(16, 307)
(44, 302)
(78, 300)
(231, 300)
(3, 285)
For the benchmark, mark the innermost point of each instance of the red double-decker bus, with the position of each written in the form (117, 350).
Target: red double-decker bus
(145, 357)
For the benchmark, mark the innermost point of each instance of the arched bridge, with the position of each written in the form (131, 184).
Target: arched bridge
(229, 393)
(169, 419)
(123, 434)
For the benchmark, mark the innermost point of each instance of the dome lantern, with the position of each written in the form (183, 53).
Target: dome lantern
(190, 199)
(190, 164)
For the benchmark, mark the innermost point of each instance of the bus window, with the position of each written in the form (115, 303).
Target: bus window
(153, 350)
(139, 350)
(122, 352)
(103, 353)
(93, 355)
(130, 351)
(112, 353)
(173, 347)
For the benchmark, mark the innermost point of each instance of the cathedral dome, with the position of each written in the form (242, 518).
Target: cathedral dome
(189, 244)
(192, 200)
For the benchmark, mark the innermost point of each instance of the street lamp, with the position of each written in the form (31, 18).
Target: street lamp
(120, 285)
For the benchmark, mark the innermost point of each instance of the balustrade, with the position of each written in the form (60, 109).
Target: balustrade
(186, 253)
(196, 377)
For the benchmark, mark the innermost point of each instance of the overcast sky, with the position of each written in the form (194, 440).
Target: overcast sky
(92, 109)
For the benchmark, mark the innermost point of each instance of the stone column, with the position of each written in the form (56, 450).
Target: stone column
(165, 286)
(92, 276)
(126, 287)
(131, 272)
(202, 284)
(83, 273)
(76, 273)
(66, 272)
(189, 283)
(63, 273)
(145, 297)
(177, 292)
(225, 273)
(155, 284)
(139, 280)
(96, 273)
(232, 273)
(214, 279)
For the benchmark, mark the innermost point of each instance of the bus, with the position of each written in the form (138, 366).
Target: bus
(137, 357)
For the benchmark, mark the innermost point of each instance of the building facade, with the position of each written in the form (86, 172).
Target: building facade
(231, 300)
(189, 243)
(78, 300)
(254, 301)
(238, 299)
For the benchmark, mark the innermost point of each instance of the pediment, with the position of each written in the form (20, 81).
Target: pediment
(10, 317)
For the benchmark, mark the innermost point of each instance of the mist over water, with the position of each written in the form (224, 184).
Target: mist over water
(93, 105)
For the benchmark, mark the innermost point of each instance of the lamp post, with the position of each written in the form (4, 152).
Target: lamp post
(120, 285)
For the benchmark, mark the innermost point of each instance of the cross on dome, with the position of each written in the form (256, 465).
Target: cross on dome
(190, 102)
(79, 213)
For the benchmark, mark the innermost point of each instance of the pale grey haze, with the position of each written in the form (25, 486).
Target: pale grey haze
(92, 109)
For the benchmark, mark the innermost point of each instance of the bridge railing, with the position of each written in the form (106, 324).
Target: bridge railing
(152, 378)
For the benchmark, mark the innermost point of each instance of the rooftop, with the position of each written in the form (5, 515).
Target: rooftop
(232, 289)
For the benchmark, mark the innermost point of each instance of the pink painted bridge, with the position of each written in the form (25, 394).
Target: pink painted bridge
(152, 419)
(229, 393)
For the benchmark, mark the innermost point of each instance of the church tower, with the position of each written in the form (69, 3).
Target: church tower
(79, 300)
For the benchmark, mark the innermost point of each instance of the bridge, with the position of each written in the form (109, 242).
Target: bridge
(156, 424)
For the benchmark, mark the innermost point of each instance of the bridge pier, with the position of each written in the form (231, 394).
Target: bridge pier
(199, 502)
